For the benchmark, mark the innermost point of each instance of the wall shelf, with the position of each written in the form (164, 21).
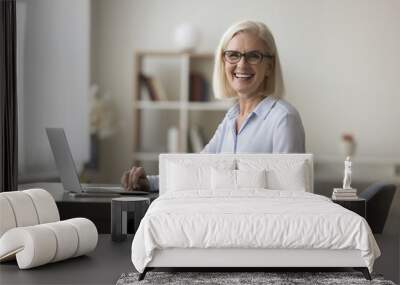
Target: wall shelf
(175, 105)
(158, 105)
(172, 89)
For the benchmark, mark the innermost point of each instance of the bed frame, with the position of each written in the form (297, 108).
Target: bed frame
(245, 259)
(241, 259)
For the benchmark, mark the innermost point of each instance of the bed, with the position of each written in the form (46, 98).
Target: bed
(247, 210)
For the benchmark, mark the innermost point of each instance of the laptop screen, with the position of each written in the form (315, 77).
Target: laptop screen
(63, 158)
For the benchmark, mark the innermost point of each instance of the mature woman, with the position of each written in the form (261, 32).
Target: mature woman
(247, 68)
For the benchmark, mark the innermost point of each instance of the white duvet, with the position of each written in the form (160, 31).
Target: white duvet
(250, 219)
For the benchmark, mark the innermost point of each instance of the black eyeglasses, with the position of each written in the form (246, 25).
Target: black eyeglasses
(251, 57)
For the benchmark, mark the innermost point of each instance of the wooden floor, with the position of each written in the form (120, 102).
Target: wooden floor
(110, 260)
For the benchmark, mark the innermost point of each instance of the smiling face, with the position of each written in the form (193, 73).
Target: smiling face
(247, 79)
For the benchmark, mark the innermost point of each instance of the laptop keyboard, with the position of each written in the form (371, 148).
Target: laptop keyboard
(97, 189)
(111, 189)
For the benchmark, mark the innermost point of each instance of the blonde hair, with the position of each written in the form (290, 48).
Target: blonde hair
(273, 84)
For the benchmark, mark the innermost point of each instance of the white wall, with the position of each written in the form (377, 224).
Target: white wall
(55, 80)
(340, 63)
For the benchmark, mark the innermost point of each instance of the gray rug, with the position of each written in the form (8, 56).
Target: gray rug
(243, 278)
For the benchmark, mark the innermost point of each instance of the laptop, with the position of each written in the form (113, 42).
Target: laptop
(69, 175)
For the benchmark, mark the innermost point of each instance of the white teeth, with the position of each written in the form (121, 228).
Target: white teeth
(243, 75)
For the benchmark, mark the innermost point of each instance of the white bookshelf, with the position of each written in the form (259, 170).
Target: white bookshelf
(149, 105)
(176, 105)
(151, 118)
(209, 106)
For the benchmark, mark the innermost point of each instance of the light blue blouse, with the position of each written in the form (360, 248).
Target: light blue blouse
(274, 126)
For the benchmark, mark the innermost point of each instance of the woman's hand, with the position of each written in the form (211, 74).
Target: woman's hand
(135, 179)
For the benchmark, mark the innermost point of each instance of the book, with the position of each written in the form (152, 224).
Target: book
(334, 197)
(341, 190)
(154, 88)
(158, 89)
(197, 88)
(149, 87)
(336, 190)
(345, 194)
(340, 195)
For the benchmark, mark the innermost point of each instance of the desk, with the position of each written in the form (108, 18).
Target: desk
(96, 209)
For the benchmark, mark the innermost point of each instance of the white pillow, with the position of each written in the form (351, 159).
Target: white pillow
(291, 178)
(237, 179)
(184, 175)
(223, 179)
(281, 174)
(251, 178)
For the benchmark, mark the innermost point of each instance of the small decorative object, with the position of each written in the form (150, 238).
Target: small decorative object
(186, 37)
(347, 173)
(345, 193)
(173, 140)
(102, 113)
(103, 123)
(348, 145)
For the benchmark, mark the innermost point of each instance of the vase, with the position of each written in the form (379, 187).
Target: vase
(348, 148)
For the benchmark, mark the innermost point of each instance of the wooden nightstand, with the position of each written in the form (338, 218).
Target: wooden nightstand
(358, 206)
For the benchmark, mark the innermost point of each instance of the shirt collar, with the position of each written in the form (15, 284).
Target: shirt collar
(262, 109)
